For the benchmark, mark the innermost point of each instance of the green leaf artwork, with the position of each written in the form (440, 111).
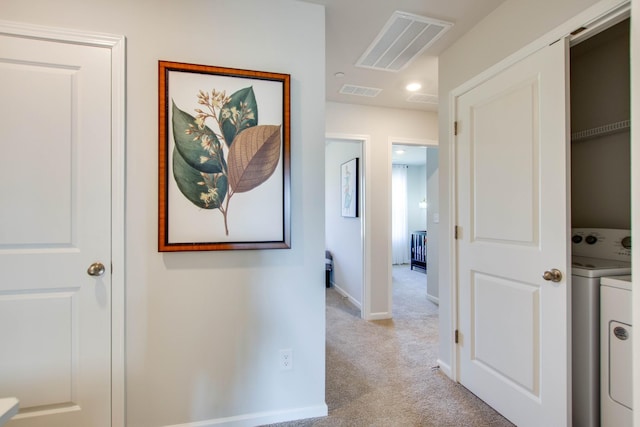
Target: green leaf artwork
(241, 112)
(203, 174)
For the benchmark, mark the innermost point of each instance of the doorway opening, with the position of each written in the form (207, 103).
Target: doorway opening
(600, 213)
(414, 212)
(344, 230)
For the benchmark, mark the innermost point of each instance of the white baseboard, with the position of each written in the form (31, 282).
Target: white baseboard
(372, 316)
(446, 369)
(383, 315)
(345, 294)
(433, 299)
(261, 418)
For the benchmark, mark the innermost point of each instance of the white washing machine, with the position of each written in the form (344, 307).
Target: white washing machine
(615, 351)
(596, 252)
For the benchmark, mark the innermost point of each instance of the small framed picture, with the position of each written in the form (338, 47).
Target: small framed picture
(349, 188)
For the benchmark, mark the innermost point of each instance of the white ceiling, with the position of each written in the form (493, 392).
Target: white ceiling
(352, 25)
(411, 155)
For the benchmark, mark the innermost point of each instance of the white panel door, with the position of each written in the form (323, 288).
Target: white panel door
(512, 182)
(55, 137)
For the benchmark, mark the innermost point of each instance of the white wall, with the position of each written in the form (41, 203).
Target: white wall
(433, 231)
(508, 28)
(204, 330)
(381, 125)
(343, 235)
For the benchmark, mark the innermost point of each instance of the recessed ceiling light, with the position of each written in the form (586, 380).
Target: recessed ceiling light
(412, 87)
(399, 151)
(339, 74)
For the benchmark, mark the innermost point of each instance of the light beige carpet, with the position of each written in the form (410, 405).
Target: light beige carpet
(382, 373)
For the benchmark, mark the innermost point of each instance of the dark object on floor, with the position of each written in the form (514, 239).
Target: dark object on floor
(419, 250)
(328, 266)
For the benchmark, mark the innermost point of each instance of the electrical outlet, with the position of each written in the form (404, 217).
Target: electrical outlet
(286, 359)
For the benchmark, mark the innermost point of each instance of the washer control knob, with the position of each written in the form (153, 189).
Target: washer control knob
(626, 242)
(576, 238)
(591, 239)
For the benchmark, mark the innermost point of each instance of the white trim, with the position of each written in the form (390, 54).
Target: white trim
(366, 227)
(382, 315)
(433, 299)
(446, 369)
(450, 236)
(347, 295)
(60, 34)
(261, 418)
(413, 141)
(602, 22)
(365, 230)
(118, 220)
(116, 44)
(594, 15)
(635, 196)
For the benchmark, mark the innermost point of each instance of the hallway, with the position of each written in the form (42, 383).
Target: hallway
(382, 373)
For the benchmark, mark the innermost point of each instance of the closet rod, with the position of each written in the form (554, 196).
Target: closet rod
(601, 130)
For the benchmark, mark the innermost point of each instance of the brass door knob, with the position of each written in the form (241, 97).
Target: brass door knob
(553, 275)
(96, 269)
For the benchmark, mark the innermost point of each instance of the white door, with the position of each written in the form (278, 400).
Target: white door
(55, 141)
(512, 168)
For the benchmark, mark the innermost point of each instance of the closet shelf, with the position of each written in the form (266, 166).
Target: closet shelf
(607, 129)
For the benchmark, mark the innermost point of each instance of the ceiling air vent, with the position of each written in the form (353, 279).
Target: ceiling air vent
(404, 37)
(423, 98)
(370, 92)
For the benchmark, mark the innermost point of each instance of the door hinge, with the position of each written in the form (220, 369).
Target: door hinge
(456, 232)
(455, 128)
(455, 336)
(578, 31)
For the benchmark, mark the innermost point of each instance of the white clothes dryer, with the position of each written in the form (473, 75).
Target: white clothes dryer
(596, 252)
(616, 341)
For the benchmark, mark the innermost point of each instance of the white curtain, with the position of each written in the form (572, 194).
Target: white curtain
(399, 229)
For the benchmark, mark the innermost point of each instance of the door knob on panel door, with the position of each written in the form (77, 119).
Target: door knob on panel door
(553, 275)
(96, 269)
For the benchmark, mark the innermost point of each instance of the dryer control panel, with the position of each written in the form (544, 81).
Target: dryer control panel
(604, 243)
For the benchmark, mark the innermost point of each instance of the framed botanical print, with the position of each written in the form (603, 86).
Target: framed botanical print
(224, 158)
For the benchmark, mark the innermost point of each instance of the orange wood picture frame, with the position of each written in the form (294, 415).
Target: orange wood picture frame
(223, 133)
